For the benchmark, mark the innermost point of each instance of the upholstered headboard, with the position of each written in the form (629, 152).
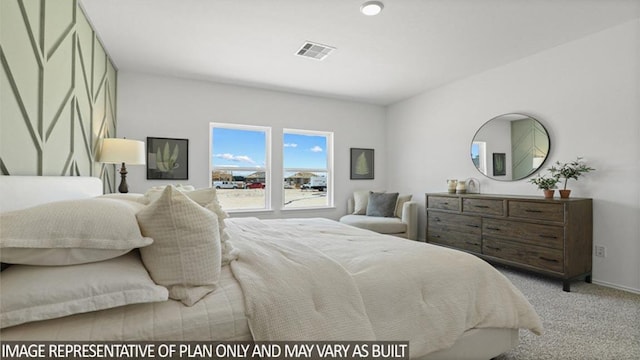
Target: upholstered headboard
(18, 192)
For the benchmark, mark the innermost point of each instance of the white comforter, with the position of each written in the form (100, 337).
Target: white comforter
(316, 279)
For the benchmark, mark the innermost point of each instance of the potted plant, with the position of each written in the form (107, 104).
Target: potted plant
(566, 171)
(545, 183)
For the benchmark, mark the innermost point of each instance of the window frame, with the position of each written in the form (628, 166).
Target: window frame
(329, 135)
(267, 160)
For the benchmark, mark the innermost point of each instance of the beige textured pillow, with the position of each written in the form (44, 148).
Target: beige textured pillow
(70, 232)
(400, 204)
(33, 293)
(208, 198)
(185, 255)
(360, 202)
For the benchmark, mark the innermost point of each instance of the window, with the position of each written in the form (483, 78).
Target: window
(307, 162)
(240, 169)
(479, 155)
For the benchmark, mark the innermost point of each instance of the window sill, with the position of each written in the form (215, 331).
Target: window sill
(309, 208)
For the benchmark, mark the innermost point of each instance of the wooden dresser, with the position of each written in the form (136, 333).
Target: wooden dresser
(548, 236)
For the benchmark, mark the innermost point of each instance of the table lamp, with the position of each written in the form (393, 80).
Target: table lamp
(116, 151)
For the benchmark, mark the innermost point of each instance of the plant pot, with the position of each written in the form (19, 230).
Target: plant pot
(548, 194)
(564, 193)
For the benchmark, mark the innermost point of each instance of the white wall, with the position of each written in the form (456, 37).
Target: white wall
(586, 93)
(168, 107)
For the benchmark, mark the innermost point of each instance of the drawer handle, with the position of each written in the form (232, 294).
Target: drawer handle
(548, 236)
(493, 228)
(481, 206)
(471, 243)
(493, 248)
(436, 236)
(533, 211)
(547, 259)
(437, 219)
(472, 225)
(445, 203)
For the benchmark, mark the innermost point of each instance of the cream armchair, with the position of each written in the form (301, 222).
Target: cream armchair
(404, 223)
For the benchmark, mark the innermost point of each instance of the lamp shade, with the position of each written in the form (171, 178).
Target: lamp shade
(116, 151)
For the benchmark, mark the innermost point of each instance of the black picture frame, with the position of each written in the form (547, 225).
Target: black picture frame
(177, 165)
(499, 164)
(362, 164)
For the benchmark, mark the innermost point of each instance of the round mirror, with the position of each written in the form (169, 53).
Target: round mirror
(510, 147)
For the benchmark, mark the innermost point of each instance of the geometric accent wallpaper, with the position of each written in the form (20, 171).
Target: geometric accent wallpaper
(57, 91)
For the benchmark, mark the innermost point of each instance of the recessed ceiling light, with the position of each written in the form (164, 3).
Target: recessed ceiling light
(371, 8)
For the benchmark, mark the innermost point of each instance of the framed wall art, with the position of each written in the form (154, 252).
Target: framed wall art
(499, 164)
(167, 159)
(362, 161)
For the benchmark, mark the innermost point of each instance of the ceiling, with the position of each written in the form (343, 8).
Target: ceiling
(411, 47)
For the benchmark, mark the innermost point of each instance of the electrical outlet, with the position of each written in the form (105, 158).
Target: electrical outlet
(600, 251)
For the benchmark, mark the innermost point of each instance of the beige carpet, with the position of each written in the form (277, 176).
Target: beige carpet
(590, 322)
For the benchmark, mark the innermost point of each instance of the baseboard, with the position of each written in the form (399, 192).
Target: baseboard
(616, 286)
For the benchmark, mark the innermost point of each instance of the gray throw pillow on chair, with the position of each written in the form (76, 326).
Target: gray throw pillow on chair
(382, 204)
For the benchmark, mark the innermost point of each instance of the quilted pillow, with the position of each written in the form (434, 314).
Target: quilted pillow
(208, 198)
(70, 232)
(33, 293)
(185, 255)
(382, 204)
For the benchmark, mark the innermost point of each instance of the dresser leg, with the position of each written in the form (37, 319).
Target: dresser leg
(587, 279)
(566, 285)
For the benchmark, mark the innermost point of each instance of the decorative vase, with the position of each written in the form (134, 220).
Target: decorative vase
(564, 193)
(461, 188)
(451, 186)
(548, 193)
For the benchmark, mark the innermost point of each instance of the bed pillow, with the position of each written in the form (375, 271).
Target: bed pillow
(400, 204)
(185, 255)
(208, 198)
(382, 204)
(70, 232)
(33, 293)
(139, 198)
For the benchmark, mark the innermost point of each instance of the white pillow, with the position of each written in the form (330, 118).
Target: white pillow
(400, 204)
(185, 255)
(139, 198)
(70, 232)
(360, 202)
(33, 293)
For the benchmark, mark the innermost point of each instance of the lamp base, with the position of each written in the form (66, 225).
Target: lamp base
(123, 188)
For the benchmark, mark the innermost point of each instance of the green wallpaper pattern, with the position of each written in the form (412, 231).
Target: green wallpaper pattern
(57, 91)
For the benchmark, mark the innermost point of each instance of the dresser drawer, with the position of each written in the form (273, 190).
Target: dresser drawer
(483, 206)
(454, 222)
(443, 203)
(458, 240)
(537, 256)
(530, 234)
(537, 211)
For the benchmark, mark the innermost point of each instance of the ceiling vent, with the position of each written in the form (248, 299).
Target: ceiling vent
(314, 51)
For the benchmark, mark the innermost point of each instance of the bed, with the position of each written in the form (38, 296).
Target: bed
(287, 279)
